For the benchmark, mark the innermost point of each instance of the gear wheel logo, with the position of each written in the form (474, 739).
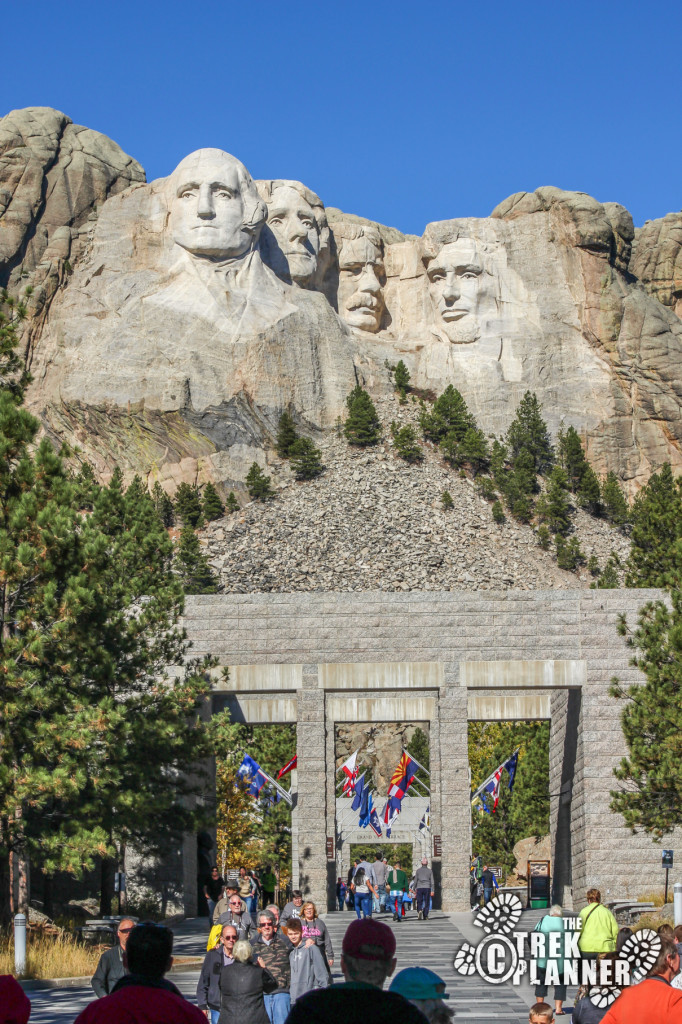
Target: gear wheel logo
(602, 996)
(501, 915)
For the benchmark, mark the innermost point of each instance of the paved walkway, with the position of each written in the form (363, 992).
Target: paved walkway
(431, 943)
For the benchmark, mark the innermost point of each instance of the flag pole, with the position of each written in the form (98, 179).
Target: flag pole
(490, 778)
(285, 795)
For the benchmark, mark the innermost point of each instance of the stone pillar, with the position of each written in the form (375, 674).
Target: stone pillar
(434, 804)
(455, 807)
(563, 742)
(311, 804)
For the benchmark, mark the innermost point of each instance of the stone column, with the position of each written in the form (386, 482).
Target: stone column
(311, 810)
(455, 808)
(563, 741)
(435, 802)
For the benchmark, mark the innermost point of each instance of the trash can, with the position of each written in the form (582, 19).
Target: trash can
(539, 892)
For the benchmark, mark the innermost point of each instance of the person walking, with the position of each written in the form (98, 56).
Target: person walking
(362, 889)
(243, 986)
(396, 883)
(308, 969)
(111, 967)
(341, 892)
(268, 882)
(426, 991)
(315, 928)
(489, 882)
(553, 922)
(293, 908)
(424, 887)
(145, 996)
(223, 904)
(273, 948)
(241, 919)
(213, 890)
(380, 876)
(247, 888)
(208, 986)
(654, 999)
(599, 928)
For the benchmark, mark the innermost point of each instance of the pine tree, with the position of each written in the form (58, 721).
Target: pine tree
(401, 377)
(449, 415)
(616, 507)
(192, 565)
(406, 443)
(286, 435)
(418, 748)
(446, 500)
(211, 505)
(306, 459)
(608, 578)
(528, 432)
(188, 504)
(498, 512)
(231, 505)
(569, 555)
(474, 449)
(656, 550)
(14, 377)
(362, 427)
(88, 606)
(257, 484)
(544, 537)
(450, 447)
(554, 506)
(589, 492)
(163, 505)
(650, 796)
(498, 463)
(571, 457)
(86, 487)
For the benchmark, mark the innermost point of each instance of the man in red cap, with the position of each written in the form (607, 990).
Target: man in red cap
(367, 960)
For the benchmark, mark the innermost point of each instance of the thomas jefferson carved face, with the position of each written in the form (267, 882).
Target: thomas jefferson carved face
(216, 213)
(361, 279)
(293, 236)
(457, 286)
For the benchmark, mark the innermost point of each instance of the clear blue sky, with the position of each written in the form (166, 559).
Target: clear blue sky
(402, 112)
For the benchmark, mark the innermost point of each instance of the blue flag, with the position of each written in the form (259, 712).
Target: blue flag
(359, 790)
(511, 765)
(366, 808)
(251, 775)
(374, 822)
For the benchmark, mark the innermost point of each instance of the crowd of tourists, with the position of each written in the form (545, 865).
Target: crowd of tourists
(275, 966)
(374, 888)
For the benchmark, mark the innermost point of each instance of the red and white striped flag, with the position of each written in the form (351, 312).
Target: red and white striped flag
(350, 770)
(288, 767)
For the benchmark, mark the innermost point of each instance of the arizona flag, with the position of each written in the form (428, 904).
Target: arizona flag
(288, 767)
(402, 777)
(350, 770)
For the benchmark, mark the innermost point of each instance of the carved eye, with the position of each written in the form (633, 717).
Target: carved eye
(469, 276)
(274, 220)
(224, 194)
(437, 275)
(188, 194)
(307, 223)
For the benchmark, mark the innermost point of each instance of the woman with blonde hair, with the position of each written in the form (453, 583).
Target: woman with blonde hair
(242, 986)
(598, 929)
(314, 928)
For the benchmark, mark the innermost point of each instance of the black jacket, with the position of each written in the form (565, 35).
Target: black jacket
(241, 994)
(208, 986)
(109, 970)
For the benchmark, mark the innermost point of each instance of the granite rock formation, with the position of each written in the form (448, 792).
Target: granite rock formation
(203, 305)
(54, 176)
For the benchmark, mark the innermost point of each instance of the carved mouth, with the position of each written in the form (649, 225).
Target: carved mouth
(368, 303)
(454, 314)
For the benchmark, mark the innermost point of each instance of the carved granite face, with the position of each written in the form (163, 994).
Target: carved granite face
(216, 213)
(361, 279)
(457, 286)
(291, 240)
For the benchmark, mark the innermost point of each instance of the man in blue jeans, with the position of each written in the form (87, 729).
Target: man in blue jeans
(274, 949)
(489, 884)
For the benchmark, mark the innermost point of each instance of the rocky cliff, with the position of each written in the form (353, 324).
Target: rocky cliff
(186, 314)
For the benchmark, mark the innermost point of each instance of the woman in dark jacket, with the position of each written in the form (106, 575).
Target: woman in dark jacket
(242, 985)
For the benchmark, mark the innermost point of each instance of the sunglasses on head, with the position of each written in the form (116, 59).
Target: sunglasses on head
(124, 931)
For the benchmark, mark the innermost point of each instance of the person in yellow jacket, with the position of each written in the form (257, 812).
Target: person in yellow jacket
(599, 929)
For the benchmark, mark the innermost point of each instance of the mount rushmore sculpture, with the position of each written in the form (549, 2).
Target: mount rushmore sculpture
(173, 322)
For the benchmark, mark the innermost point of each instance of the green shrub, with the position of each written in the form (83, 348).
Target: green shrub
(498, 512)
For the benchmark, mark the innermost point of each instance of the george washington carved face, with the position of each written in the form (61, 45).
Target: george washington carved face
(216, 212)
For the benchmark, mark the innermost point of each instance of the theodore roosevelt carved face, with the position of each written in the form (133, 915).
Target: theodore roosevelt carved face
(361, 276)
(216, 212)
(458, 285)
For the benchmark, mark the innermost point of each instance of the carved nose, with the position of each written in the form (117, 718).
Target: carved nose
(297, 230)
(369, 281)
(205, 207)
(451, 291)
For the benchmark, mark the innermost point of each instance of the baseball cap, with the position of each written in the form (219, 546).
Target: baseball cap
(418, 983)
(369, 940)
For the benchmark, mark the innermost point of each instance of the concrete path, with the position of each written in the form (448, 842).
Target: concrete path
(431, 944)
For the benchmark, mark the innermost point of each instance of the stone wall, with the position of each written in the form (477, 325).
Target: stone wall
(346, 656)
